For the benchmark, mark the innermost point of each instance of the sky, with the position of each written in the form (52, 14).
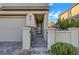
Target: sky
(57, 8)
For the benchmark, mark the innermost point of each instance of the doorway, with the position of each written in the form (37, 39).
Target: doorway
(39, 28)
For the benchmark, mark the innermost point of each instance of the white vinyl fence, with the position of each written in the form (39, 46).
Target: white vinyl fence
(67, 36)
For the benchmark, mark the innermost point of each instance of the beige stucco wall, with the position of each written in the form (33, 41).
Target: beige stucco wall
(63, 36)
(70, 36)
(75, 10)
(65, 15)
(30, 20)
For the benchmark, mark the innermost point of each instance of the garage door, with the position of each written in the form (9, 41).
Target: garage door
(11, 28)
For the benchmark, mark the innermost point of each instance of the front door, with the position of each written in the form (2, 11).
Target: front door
(39, 28)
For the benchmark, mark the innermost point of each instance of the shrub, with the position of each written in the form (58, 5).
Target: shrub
(63, 49)
(74, 23)
(63, 24)
(66, 23)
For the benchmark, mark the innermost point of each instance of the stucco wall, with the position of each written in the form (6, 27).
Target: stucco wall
(70, 36)
(75, 10)
(30, 20)
(63, 36)
(65, 15)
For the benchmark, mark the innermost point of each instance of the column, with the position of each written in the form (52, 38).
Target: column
(30, 20)
(26, 38)
(27, 30)
(45, 26)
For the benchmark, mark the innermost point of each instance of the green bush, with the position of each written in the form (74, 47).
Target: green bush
(74, 23)
(63, 24)
(66, 23)
(63, 49)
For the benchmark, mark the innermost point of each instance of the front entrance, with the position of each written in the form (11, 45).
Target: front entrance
(38, 44)
(37, 35)
(39, 22)
(34, 34)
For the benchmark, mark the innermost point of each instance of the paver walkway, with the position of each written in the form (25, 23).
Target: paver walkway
(39, 46)
(10, 48)
(39, 41)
